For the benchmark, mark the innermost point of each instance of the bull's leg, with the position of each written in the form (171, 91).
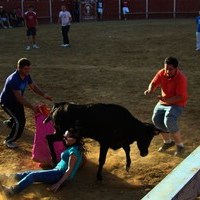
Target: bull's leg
(51, 139)
(128, 159)
(102, 159)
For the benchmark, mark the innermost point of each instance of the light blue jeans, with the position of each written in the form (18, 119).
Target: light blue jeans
(29, 177)
(165, 117)
(198, 40)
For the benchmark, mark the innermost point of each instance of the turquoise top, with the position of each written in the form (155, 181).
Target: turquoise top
(63, 164)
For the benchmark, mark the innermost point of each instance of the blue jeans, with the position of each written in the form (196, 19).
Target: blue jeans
(165, 117)
(29, 177)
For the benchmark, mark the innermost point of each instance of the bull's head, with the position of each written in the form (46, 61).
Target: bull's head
(54, 110)
(59, 115)
(145, 138)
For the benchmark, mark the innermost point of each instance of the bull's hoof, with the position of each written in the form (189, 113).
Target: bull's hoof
(127, 168)
(143, 154)
(99, 178)
(99, 183)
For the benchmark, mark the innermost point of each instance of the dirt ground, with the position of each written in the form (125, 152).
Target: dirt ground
(109, 62)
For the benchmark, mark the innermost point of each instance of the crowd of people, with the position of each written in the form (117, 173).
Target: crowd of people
(15, 18)
(11, 19)
(29, 19)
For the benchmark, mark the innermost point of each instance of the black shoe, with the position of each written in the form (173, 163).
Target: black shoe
(10, 144)
(179, 150)
(166, 146)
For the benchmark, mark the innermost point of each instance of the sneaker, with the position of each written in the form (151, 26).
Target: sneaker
(64, 45)
(35, 46)
(179, 150)
(166, 146)
(28, 48)
(8, 123)
(10, 145)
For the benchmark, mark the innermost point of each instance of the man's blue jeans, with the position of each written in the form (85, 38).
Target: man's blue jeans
(165, 117)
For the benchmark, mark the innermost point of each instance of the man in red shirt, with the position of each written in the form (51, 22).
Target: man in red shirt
(172, 100)
(31, 22)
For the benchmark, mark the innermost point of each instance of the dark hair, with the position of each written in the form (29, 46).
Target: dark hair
(22, 62)
(74, 133)
(171, 61)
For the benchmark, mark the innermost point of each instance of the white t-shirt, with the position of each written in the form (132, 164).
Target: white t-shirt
(65, 17)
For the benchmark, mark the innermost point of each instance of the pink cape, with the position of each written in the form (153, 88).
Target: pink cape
(40, 150)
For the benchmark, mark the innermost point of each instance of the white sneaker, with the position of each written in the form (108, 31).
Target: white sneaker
(10, 144)
(35, 46)
(28, 48)
(64, 45)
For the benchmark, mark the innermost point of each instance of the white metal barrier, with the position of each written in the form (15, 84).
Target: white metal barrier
(183, 183)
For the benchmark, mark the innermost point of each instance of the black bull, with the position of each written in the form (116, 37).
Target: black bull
(113, 126)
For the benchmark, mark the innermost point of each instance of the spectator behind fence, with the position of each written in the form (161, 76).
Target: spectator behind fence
(4, 18)
(1, 23)
(13, 18)
(16, 18)
(125, 8)
(198, 32)
(100, 9)
(75, 11)
(19, 16)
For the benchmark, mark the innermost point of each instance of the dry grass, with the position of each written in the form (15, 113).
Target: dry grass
(107, 62)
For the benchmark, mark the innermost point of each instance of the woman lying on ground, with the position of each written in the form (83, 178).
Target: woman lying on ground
(71, 160)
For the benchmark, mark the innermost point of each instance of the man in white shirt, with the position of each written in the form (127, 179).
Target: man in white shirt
(65, 19)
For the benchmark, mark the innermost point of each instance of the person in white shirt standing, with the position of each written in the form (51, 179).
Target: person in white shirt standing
(65, 19)
(198, 32)
(99, 9)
